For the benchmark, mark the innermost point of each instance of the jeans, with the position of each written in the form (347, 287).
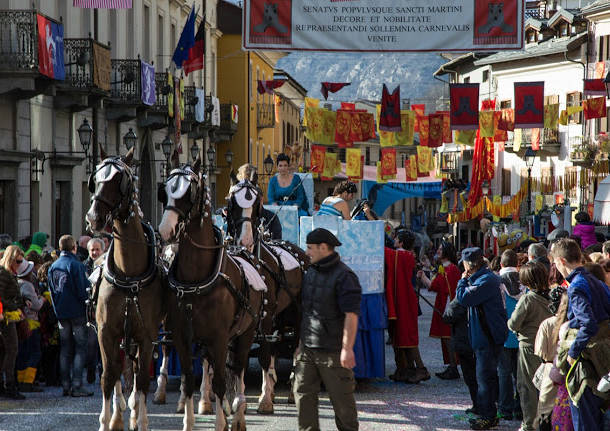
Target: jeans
(469, 367)
(487, 380)
(508, 397)
(73, 335)
(588, 416)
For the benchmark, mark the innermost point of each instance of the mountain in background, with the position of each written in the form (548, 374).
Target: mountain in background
(367, 74)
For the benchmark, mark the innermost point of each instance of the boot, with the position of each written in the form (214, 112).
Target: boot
(12, 392)
(421, 374)
(451, 373)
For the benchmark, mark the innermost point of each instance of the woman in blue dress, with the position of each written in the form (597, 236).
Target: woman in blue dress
(338, 203)
(286, 188)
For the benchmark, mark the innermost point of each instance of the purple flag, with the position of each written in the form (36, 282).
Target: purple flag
(149, 96)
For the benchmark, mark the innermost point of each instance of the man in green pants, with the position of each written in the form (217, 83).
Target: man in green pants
(331, 304)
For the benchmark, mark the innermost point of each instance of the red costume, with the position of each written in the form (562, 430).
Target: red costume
(445, 286)
(401, 297)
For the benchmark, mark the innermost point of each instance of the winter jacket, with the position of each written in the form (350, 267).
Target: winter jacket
(586, 232)
(456, 315)
(525, 320)
(588, 305)
(29, 292)
(68, 286)
(9, 291)
(511, 292)
(481, 292)
(510, 278)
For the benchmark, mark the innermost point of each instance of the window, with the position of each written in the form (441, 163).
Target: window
(131, 24)
(564, 29)
(113, 31)
(603, 48)
(574, 99)
(160, 40)
(531, 36)
(7, 208)
(85, 22)
(505, 104)
(467, 80)
(485, 75)
(146, 40)
(172, 35)
(506, 177)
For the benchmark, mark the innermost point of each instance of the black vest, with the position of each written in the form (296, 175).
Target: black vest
(323, 321)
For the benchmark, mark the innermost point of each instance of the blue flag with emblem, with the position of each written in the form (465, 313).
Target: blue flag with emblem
(187, 40)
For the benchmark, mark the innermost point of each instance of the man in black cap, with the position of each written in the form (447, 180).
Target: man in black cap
(479, 290)
(331, 297)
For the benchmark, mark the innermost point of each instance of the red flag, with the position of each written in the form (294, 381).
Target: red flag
(447, 137)
(595, 87)
(435, 136)
(507, 120)
(343, 127)
(594, 108)
(500, 135)
(269, 86)
(389, 119)
(388, 162)
(529, 105)
(333, 87)
(424, 131)
(348, 106)
(420, 111)
(464, 100)
(195, 60)
(318, 152)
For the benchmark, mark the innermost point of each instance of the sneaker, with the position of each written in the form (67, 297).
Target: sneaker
(483, 424)
(451, 373)
(81, 392)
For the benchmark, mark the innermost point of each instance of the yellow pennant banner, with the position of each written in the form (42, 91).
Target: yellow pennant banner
(352, 165)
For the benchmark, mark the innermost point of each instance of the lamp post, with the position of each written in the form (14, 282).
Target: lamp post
(130, 139)
(85, 132)
(211, 157)
(166, 147)
(530, 157)
(268, 165)
(229, 157)
(194, 151)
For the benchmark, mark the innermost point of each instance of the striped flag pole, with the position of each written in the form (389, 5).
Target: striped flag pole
(102, 4)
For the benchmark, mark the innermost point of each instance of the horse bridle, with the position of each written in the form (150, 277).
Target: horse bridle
(126, 188)
(234, 224)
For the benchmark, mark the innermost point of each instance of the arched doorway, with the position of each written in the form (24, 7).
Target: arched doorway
(147, 180)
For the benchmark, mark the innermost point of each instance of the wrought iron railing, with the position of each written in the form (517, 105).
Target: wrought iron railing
(190, 101)
(80, 62)
(265, 115)
(226, 122)
(18, 41)
(534, 13)
(162, 91)
(125, 81)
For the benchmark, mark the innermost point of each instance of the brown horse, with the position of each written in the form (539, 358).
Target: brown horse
(213, 304)
(283, 265)
(130, 303)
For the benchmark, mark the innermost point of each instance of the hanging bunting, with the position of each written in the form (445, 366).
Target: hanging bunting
(386, 139)
(380, 179)
(170, 95)
(486, 124)
(147, 79)
(594, 108)
(446, 127)
(488, 105)
(420, 111)
(564, 117)
(330, 162)
(388, 162)
(390, 110)
(595, 87)
(347, 106)
(333, 87)
(411, 168)
(517, 137)
(551, 116)
(507, 120)
(464, 101)
(352, 162)
(424, 160)
(499, 134)
(497, 202)
(424, 130)
(268, 86)
(405, 136)
(536, 139)
(329, 121)
(355, 133)
(529, 104)
(318, 153)
(435, 138)
(342, 128)
(367, 124)
(310, 102)
(444, 203)
(465, 137)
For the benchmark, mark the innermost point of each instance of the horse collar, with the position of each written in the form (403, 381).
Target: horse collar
(133, 284)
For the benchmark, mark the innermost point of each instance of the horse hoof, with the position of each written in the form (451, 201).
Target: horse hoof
(159, 400)
(265, 408)
(205, 408)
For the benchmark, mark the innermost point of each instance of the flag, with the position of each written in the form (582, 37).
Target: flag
(170, 95)
(424, 160)
(330, 161)
(181, 104)
(412, 171)
(499, 134)
(407, 121)
(348, 106)
(435, 138)
(317, 158)
(594, 108)
(194, 61)
(551, 116)
(386, 139)
(388, 162)
(535, 139)
(234, 113)
(420, 111)
(51, 48)
(215, 116)
(200, 106)
(486, 124)
(389, 119)
(380, 179)
(149, 94)
(464, 102)
(329, 121)
(352, 162)
(355, 134)
(600, 69)
(178, 112)
(595, 87)
(517, 139)
(268, 86)
(529, 104)
(187, 40)
(465, 137)
(102, 4)
(310, 102)
(446, 127)
(333, 87)
(564, 117)
(424, 130)
(342, 128)
(367, 125)
(313, 117)
(507, 120)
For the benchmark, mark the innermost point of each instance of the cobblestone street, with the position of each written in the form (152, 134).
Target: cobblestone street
(382, 404)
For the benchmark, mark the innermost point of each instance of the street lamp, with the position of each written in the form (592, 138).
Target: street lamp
(530, 157)
(166, 147)
(85, 132)
(211, 156)
(130, 139)
(194, 151)
(229, 157)
(485, 188)
(268, 164)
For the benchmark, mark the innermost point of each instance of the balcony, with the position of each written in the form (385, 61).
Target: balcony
(228, 127)
(88, 69)
(19, 75)
(265, 115)
(550, 143)
(125, 90)
(156, 116)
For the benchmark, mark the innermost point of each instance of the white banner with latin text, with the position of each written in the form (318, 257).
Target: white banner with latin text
(383, 25)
